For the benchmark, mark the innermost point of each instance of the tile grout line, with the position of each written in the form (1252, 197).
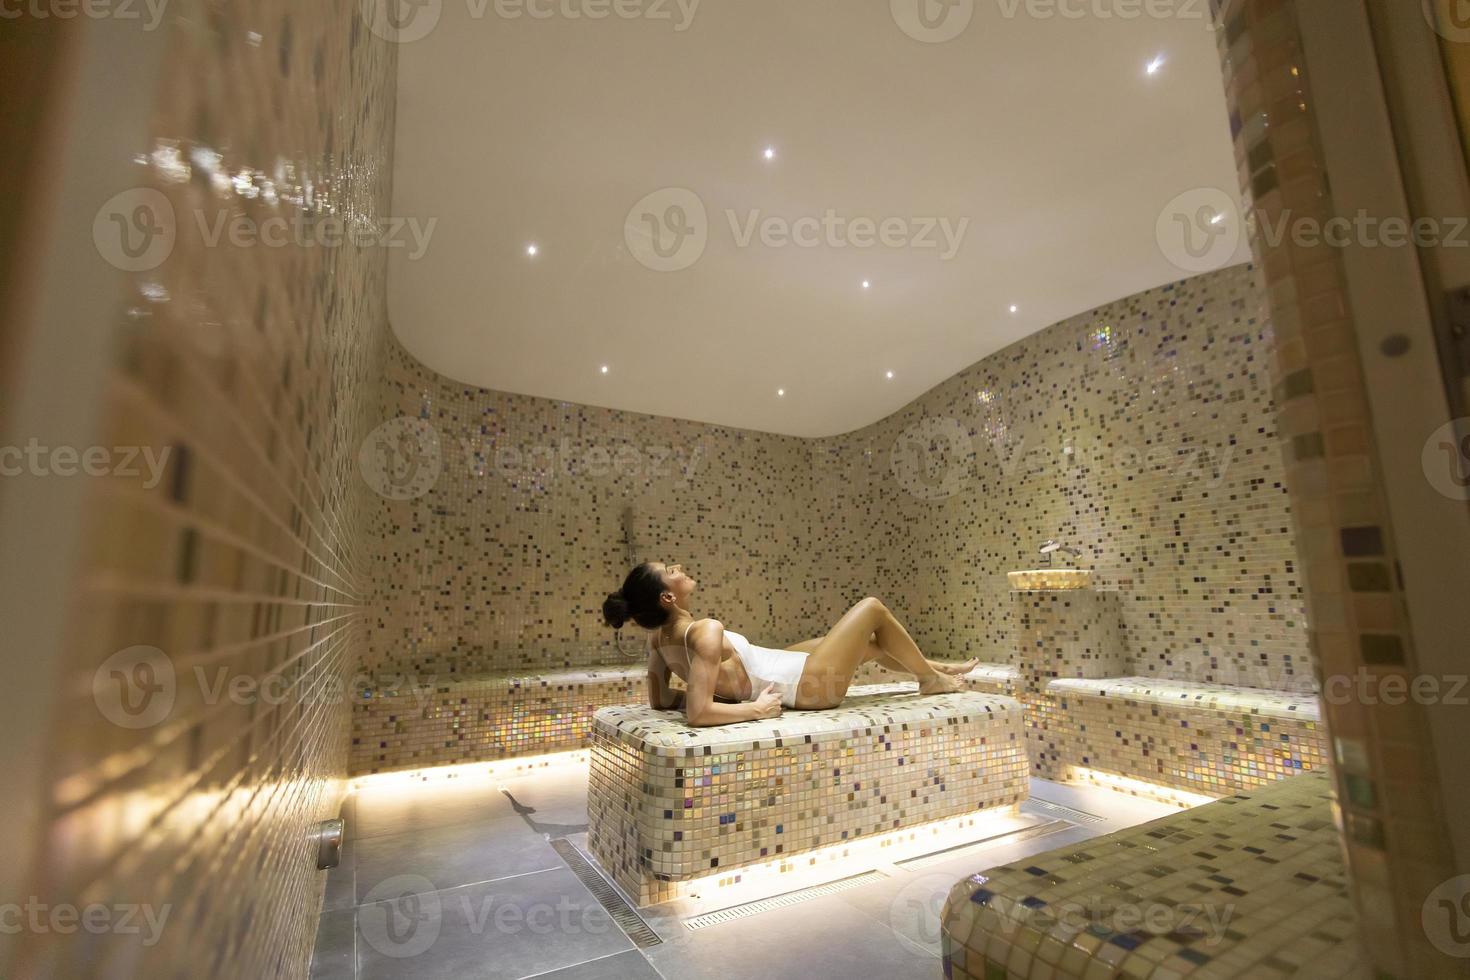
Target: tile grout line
(467, 884)
(595, 959)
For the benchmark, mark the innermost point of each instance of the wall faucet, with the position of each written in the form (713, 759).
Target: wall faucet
(1051, 547)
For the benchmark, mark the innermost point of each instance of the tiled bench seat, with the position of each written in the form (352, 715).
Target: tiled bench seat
(1205, 739)
(1249, 886)
(670, 805)
(987, 678)
(484, 717)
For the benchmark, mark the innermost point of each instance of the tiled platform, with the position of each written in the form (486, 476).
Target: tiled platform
(1248, 886)
(673, 808)
(1204, 739)
(987, 678)
(460, 719)
(483, 718)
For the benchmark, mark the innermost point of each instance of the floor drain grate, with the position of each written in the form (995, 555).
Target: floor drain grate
(607, 896)
(781, 901)
(1065, 812)
(959, 850)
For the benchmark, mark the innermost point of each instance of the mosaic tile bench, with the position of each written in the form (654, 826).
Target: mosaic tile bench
(672, 807)
(1248, 886)
(1205, 739)
(986, 678)
(484, 717)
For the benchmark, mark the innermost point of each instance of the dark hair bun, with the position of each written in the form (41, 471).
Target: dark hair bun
(615, 610)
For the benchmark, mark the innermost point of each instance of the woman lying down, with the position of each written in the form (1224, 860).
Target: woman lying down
(729, 679)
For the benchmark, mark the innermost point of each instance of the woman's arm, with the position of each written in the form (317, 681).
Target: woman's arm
(659, 694)
(701, 708)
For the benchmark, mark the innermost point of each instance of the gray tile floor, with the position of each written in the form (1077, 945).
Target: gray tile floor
(458, 879)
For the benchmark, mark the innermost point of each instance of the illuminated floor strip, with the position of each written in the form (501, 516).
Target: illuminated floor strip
(1014, 837)
(607, 896)
(781, 901)
(1064, 812)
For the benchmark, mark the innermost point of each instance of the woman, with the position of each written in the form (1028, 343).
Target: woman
(720, 666)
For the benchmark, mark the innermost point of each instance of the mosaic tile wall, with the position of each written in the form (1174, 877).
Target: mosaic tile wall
(1071, 633)
(1395, 822)
(1199, 738)
(256, 368)
(541, 508)
(668, 804)
(1141, 432)
(1249, 886)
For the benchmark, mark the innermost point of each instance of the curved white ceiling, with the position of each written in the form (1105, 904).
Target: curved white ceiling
(1045, 134)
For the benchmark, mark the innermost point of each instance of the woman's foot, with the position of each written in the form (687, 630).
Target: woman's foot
(940, 683)
(956, 669)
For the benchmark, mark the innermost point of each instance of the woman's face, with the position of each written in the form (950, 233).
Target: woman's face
(677, 581)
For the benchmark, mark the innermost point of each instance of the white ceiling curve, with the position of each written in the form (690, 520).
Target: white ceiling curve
(1023, 162)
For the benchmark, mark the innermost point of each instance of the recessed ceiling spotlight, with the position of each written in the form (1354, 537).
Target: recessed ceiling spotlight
(770, 153)
(532, 249)
(781, 392)
(604, 369)
(1154, 66)
(890, 375)
(867, 284)
(1015, 308)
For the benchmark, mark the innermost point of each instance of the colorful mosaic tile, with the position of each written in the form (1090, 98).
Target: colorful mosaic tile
(479, 719)
(1203, 739)
(1071, 633)
(254, 368)
(1248, 886)
(670, 807)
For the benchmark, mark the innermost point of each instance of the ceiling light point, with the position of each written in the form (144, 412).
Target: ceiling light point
(770, 153)
(867, 284)
(890, 375)
(604, 369)
(1015, 308)
(781, 392)
(1154, 66)
(532, 249)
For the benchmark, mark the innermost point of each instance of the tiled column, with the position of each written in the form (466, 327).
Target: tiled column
(1061, 633)
(1393, 820)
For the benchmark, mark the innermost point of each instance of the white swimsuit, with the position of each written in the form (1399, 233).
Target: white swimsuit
(763, 666)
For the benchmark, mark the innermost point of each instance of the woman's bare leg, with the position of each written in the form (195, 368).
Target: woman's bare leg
(829, 668)
(875, 652)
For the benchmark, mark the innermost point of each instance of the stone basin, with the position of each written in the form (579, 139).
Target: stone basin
(1050, 579)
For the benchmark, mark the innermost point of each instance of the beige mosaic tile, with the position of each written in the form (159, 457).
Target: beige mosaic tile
(1249, 886)
(670, 807)
(1072, 633)
(477, 719)
(255, 368)
(1199, 738)
(1396, 824)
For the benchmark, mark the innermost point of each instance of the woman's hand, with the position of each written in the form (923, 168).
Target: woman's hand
(768, 705)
